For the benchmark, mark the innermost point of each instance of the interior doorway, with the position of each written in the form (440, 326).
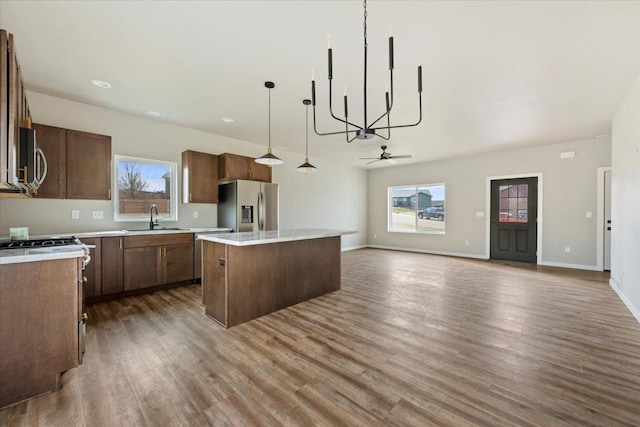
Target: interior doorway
(604, 225)
(514, 219)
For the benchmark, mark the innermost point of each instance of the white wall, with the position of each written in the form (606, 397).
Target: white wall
(569, 191)
(625, 195)
(332, 198)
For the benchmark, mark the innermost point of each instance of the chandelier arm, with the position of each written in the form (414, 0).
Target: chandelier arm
(315, 129)
(331, 110)
(352, 139)
(390, 103)
(404, 126)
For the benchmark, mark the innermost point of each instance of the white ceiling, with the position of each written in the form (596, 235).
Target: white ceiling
(496, 74)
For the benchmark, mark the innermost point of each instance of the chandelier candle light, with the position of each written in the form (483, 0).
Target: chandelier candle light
(367, 130)
(269, 159)
(306, 167)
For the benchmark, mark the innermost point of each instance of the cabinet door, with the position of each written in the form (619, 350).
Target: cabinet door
(177, 263)
(93, 270)
(200, 177)
(142, 267)
(53, 142)
(260, 172)
(233, 166)
(88, 166)
(112, 271)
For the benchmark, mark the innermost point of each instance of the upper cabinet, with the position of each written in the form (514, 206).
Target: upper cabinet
(233, 166)
(14, 111)
(79, 164)
(199, 177)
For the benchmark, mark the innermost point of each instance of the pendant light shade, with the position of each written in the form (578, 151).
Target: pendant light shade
(306, 167)
(269, 159)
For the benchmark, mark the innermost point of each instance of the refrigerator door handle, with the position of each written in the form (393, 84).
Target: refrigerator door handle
(260, 211)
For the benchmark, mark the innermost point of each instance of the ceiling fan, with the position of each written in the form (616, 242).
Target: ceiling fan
(385, 156)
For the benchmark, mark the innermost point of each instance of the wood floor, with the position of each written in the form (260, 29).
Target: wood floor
(410, 339)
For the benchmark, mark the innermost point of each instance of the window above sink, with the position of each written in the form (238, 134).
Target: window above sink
(140, 183)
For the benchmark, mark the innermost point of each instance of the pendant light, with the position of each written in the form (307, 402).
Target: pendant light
(269, 159)
(306, 167)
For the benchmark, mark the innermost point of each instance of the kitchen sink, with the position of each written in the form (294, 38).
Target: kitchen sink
(159, 229)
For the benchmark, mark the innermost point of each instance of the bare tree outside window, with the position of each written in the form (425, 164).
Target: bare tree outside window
(131, 182)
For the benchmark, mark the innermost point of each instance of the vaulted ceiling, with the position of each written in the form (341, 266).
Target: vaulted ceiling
(495, 74)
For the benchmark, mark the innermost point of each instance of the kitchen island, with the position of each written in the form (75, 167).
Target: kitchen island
(247, 275)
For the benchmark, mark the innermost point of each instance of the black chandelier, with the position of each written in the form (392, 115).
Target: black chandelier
(367, 130)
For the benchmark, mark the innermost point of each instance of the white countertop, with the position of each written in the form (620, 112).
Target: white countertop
(265, 237)
(141, 231)
(12, 256)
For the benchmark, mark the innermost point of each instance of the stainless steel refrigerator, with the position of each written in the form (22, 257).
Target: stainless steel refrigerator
(248, 206)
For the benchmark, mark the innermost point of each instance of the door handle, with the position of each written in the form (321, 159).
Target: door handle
(42, 172)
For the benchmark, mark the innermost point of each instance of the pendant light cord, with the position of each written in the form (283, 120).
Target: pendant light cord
(306, 133)
(269, 119)
(364, 3)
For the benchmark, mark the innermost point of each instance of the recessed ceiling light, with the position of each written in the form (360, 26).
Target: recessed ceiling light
(152, 113)
(101, 83)
(227, 120)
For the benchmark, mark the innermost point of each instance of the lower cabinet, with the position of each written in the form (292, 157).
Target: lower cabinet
(92, 273)
(112, 268)
(157, 260)
(128, 263)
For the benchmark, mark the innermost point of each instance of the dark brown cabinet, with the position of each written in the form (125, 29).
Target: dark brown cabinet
(199, 177)
(234, 166)
(92, 272)
(112, 265)
(79, 164)
(157, 260)
(88, 166)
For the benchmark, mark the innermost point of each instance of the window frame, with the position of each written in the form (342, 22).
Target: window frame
(173, 199)
(415, 230)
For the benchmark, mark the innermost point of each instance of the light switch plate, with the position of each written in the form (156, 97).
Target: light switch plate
(589, 214)
(75, 214)
(97, 215)
(195, 214)
(480, 214)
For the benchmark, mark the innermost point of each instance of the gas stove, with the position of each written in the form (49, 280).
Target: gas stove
(39, 243)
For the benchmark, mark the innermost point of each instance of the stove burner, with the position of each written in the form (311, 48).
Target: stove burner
(46, 242)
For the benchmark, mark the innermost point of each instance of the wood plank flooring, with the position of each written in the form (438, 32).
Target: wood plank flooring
(409, 340)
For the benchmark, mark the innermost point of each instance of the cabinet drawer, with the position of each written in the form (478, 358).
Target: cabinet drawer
(157, 240)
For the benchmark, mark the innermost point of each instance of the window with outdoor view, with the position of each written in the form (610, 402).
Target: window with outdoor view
(142, 183)
(417, 209)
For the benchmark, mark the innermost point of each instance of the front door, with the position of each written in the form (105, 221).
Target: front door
(514, 219)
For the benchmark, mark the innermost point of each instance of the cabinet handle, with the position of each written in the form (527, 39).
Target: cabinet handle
(109, 193)
(189, 196)
(119, 243)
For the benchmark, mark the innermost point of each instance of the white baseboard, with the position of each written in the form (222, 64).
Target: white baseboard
(424, 251)
(576, 266)
(353, 248)
(634, 311)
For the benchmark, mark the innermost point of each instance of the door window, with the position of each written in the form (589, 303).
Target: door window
(513, 203)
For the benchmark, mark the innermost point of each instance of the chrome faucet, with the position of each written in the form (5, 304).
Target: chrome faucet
(153, 223)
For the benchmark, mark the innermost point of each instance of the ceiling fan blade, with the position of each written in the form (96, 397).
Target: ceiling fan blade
(369, 158)
(373, 161)
(404, 156)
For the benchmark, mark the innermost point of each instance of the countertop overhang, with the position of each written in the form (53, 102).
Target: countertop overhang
(249, 238)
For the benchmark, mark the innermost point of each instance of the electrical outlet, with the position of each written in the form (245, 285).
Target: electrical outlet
(466, 242)
(375, 236)
(195, 214)
(567, 249)
(589, 214)
(97, 215)
(75, 214)
(479, 214)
